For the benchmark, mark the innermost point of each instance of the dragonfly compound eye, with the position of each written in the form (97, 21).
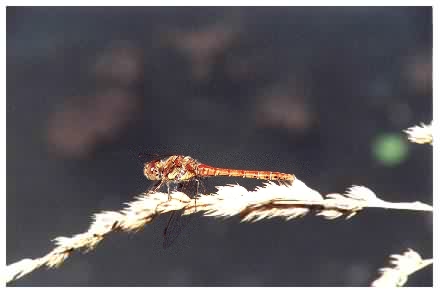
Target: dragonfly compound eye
(152, 171)
(158, 174)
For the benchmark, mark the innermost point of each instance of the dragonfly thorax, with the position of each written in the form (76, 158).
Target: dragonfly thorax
(174, 168)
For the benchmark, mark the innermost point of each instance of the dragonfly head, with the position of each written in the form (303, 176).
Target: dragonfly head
(153, 170)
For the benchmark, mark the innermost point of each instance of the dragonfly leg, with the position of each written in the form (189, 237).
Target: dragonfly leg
(156, 187)
(168, 188)
(197, 194)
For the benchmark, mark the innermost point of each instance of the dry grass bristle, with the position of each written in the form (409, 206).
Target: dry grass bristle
(420, 134)
(269, 201)
(403, 265)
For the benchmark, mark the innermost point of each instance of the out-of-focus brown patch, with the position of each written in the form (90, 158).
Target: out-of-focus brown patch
(83, 123)
(203, 45)
(76, 130)
(120, 63)
(418, 72)
(69, 132)
(283, 107)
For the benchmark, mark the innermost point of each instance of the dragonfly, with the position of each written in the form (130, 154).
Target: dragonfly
(184, 171)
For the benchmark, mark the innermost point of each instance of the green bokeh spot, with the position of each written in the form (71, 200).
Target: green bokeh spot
(390, 149)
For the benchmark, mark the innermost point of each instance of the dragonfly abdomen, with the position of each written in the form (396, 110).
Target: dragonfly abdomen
(205, 171)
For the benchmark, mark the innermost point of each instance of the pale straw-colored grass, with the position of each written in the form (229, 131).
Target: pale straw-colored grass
(420, 134)
(270, 201)
(403, 265)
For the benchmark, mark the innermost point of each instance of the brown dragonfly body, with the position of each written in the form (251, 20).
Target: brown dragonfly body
(180, 168)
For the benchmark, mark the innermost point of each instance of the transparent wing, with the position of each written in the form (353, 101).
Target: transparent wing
(148, 157)
(175, 226)
(177, 222)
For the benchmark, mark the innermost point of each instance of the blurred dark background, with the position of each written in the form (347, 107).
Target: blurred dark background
(323, 93)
